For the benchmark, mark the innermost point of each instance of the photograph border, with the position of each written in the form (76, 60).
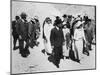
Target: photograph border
(50, 71)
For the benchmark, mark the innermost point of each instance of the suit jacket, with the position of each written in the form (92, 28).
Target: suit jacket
(14, 25)
(22, 28)
(56, 37)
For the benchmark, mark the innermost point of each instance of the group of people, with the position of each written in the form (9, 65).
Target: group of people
(26, 33)
(69, 38)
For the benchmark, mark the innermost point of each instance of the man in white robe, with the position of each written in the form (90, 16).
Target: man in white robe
(47, 31)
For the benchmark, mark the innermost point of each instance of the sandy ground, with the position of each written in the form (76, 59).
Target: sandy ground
(38, 62)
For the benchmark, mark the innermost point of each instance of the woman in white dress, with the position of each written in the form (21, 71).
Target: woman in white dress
(78, 40)
(46, 32)
(66, 47)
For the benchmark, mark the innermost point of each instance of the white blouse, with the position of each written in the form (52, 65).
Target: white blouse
(79, 34)
(65, 31)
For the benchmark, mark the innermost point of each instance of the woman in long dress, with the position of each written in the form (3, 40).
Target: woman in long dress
(78, 40)
(66, 46)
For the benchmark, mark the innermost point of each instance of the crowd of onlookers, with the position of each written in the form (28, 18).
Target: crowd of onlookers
(26, 33)
(69, 38)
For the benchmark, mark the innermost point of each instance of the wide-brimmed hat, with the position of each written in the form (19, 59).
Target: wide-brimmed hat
(64, 16)
(78, 19)
(79, 23)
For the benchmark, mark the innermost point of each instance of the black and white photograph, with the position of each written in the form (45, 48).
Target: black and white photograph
(52, 37)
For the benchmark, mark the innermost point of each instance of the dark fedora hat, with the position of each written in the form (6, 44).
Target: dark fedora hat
(69, 16)
(23, 15)
(57, 21)
(89, 20)
(57, 17)
(17, 17)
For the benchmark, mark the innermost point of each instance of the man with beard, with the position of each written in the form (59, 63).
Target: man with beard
(57, 39)
(47, 27)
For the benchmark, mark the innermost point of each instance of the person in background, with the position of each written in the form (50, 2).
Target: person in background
(14, 32)
(69, 21)
(37, 26)
(64, 18)
(88, 29)
(66, 46)
(66, 32)
(22, 30)
(57, 41)
(32, 33)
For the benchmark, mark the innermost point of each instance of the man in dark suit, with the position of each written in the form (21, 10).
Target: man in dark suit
(22, 30)
(14, 32)
(57, 39)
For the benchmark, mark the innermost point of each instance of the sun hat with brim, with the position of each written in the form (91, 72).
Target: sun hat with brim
(79, 23)
(78, 18)
(64, 16)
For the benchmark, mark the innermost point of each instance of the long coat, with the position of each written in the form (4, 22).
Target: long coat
(14, 32)
(56, 37)
(22, 28)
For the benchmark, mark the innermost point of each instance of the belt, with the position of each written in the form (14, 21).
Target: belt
(78, 39)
